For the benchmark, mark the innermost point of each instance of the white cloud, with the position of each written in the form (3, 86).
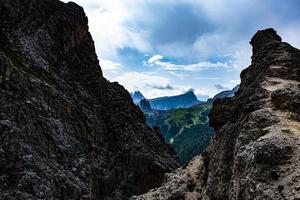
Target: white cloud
(169, 66)
(116, 24)
(139, 81)
(150, 85)
(207, 78)
(107, 23)
(210, 92)
(109, 65)
(154, 59)
(179, 75)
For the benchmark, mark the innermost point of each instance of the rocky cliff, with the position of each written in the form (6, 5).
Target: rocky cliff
(65, 131)
(255, 153)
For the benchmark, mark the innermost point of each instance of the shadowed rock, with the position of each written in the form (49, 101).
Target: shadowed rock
(65, 131)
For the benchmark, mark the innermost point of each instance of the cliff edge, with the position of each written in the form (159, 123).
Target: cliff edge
(65, 131)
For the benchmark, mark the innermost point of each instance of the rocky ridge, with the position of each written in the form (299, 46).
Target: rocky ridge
(65, 131)
(255, 153)
(185, 100)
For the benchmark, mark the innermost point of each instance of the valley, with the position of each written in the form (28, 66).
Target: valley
(186, 129)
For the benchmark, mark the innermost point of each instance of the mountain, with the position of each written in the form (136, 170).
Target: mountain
(65, 131)
(255, 153)
(186, 129)
(137, 96)
(226, 93)
(180, 101)
(145, 105)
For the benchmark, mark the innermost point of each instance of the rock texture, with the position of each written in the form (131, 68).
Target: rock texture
(255, 153)
(65, 131)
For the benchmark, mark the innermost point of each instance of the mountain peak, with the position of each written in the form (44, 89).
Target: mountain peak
(138, 94)
(190, 92)
(264, 37)
(179, 101)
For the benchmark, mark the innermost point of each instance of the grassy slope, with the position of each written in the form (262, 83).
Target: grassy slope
(186, 129)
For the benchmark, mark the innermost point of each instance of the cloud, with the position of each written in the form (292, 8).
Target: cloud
(220, 87)
(191, 90)
(207, 78)
(150, 84)
(157, 60)
(205, 92)
(154, 58)
(173, 21)
(201, 97)
(234, 82)
(203, 40)
(201, 26)
(160, 87)
(179, 74)
(110, 65)
(109, 27)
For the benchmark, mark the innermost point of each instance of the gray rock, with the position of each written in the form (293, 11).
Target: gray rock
(65, 131)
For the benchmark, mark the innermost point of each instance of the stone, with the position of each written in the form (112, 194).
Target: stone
(65, 131)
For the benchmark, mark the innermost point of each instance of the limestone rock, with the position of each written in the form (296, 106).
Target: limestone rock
(65, 131)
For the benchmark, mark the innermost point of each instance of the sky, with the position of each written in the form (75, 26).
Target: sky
(168, 47)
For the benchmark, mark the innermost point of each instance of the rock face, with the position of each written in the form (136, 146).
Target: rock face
(65, 131)
(255, 153)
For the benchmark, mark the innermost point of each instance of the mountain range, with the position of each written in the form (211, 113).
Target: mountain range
(186, 129)
(185, 100)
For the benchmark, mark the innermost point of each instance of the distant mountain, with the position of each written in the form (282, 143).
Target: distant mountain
(186, 129)
(145, 105)
(171, 102)
(223, 94)
(137, 96)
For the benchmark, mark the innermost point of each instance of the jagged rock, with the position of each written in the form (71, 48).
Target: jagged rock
(65, 131)
(255, 153)
(177, 185)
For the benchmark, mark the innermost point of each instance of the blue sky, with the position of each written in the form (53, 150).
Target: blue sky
(167, 47)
